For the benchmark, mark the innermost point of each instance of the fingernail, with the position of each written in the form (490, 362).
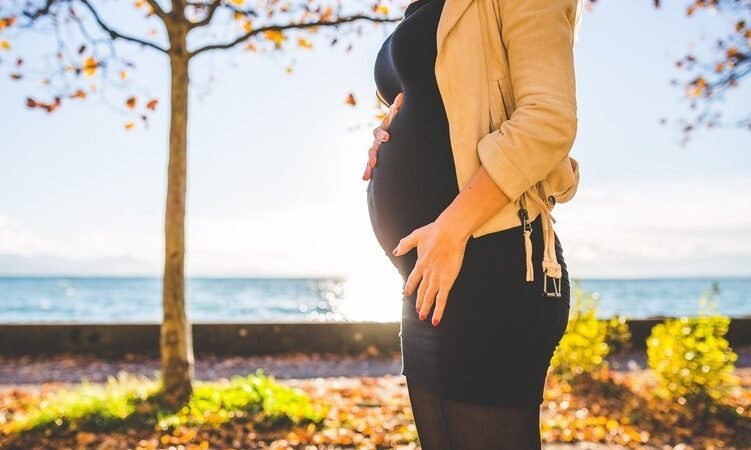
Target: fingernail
(393, 252)
(435, 322)
(422, 317)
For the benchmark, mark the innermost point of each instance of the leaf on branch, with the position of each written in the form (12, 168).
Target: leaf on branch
(304, 43)
(6, 22)
(152, 104)
(4, 44)
(697, 87)
(49, 107)
(78, 94)
(89, 66)
(237, 2)
(383, 9)
(247, 26)
(123, 75)
(275, 36)
(327, 14)
(130, 102)
(129, 125)
(351, 100)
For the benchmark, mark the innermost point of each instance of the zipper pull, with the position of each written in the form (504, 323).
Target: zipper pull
(523, 214)
(526, 231)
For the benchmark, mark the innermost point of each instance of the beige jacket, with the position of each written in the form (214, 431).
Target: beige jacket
(517, 116)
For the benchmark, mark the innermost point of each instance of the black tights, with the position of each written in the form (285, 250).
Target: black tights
(444, 424)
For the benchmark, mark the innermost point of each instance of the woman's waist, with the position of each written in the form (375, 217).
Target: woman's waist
(418, 125)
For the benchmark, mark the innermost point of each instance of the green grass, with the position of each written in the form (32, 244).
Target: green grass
(133, 402)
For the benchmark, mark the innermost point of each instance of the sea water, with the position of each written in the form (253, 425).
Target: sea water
(138, 300)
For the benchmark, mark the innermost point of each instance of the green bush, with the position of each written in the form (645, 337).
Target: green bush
(618, 335)
(691, 357)
(584, 346)
(134, 402)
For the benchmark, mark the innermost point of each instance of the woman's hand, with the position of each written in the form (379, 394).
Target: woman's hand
(381, 134)
(440, 253)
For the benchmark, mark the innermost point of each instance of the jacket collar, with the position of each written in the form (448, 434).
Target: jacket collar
(452, 10)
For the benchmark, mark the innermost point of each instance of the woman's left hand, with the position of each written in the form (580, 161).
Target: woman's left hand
(440, 253)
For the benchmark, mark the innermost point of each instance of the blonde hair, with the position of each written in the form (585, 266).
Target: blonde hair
(578, 18)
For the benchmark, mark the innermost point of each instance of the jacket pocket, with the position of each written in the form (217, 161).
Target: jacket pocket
(501, 102)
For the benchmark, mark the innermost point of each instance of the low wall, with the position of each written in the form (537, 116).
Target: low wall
(116, 340)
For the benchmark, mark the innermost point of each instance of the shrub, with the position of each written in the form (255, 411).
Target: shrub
(691, 357)
(618, 336)
(131, 401)
(583, 347)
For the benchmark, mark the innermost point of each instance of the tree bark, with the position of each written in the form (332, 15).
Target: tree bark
(176, 340)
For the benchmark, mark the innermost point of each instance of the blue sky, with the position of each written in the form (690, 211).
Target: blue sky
(275, 161)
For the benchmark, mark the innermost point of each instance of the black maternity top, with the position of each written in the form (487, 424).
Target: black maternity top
(498, 332)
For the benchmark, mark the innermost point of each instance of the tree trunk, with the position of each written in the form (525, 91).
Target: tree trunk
(176, 340)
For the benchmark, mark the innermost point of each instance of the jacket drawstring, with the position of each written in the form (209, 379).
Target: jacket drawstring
(550, 266)
(528, 253)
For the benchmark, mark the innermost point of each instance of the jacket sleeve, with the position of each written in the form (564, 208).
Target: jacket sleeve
(538, 35)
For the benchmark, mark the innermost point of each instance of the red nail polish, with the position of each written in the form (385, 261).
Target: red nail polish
(435, 323)
(422, 317)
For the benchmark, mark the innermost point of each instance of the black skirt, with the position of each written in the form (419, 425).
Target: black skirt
(498, 332)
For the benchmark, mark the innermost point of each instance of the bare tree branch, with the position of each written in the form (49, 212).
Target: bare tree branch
(43, 11)
(117, 35)
(291, 26)
(209, 15)
(158, 10)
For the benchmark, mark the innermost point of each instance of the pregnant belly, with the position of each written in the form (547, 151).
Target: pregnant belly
(413, 181)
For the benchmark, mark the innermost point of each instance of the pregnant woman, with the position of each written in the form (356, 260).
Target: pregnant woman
(477, 334)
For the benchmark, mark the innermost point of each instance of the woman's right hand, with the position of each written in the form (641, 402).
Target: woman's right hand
(380, 133)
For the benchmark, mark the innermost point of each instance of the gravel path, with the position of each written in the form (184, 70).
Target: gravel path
(28, 370)
(74, 368)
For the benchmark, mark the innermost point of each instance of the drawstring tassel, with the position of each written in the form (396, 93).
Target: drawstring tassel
(550, 266)
(528, 252)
